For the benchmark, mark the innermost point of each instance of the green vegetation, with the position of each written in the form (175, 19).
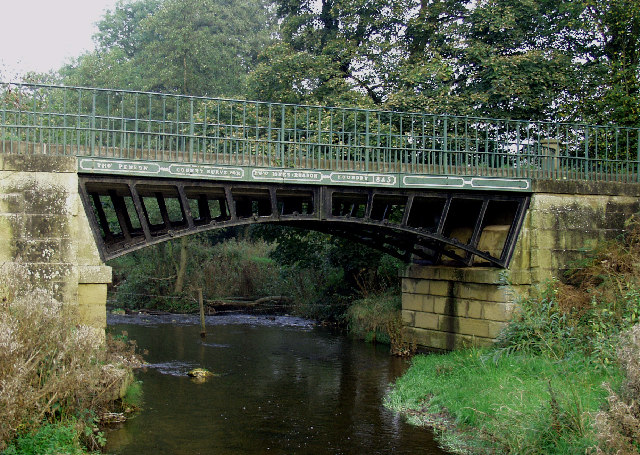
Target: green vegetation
(540, 389)
(377, 318)
(157, 277)
(319, 275)
(573, 61)
(512, 404)
(196, 47)
(49, 439)
(57, 378)
(373, 318)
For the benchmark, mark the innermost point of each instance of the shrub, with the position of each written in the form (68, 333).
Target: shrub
(378, 318)
(49, 439)
(600, 299)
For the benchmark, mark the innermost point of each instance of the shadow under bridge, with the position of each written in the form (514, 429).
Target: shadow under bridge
(428, 226)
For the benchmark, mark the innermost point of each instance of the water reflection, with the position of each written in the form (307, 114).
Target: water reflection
(284, 387)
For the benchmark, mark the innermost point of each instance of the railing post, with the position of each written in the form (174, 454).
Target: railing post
(64, 121)
(135, 138)
(587, 163)
(78, 121)
(445, 145)
(282, 124)
(366, 142)
(269, 139)
(191, 130)
(93, 124)
(149, 136)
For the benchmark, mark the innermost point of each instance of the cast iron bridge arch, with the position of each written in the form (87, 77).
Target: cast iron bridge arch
(408, 224)
(419, 186)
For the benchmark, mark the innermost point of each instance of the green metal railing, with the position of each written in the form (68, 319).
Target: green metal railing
(163, 127)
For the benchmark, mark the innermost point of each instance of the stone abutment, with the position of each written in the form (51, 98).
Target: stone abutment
(446, 307)
(44, 232)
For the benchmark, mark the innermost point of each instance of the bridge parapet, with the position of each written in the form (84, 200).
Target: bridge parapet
(258, 140)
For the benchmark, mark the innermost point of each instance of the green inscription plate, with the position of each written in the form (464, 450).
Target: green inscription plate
(290, 175)
(205, 171)
(467, 183)
(356, 178)
(302, 176)
(118, 166)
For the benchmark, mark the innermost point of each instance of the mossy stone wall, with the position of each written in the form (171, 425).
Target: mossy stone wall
(44, 229)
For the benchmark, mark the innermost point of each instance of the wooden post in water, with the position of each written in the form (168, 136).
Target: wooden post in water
(203, 330)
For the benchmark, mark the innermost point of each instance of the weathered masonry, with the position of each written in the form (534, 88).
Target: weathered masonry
(446, 307)
(90, 174)
(45, 231)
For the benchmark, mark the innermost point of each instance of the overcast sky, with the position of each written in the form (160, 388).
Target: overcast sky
(40, 35)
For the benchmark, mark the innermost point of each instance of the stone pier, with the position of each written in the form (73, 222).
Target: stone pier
(45, 232)
(447, 307)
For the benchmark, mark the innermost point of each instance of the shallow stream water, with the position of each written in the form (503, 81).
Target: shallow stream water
(282, 386)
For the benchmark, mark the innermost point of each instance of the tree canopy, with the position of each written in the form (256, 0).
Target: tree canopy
(575, 60)
(527, 59)
(198, 47)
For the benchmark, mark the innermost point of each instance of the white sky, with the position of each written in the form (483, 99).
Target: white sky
(41, 35)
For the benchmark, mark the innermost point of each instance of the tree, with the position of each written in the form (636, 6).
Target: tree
(196, 47)
(610, 62)
(530, 59)
(499, 58)
(120, 37)
(343, 48)
(121, 28)
(204, 47)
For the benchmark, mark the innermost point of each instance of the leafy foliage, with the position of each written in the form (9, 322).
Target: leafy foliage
(49, 439)
(197, 47)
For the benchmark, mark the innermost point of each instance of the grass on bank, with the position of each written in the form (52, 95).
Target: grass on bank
(564, 377)
(377, 318)
(512, 404)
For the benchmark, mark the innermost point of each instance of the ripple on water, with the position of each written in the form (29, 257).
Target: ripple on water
(227, 319)
(216, 345)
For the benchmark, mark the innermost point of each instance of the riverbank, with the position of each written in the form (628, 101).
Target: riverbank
(510, 404)
(563, 378)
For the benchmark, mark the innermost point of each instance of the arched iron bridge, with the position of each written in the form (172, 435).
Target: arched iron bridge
(432, 226)
(422, 187)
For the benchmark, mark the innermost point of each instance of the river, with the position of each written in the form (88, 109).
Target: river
(283, 386)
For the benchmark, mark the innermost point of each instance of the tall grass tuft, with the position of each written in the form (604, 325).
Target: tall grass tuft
(378, 318)
(619, 425)
(50, 368)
